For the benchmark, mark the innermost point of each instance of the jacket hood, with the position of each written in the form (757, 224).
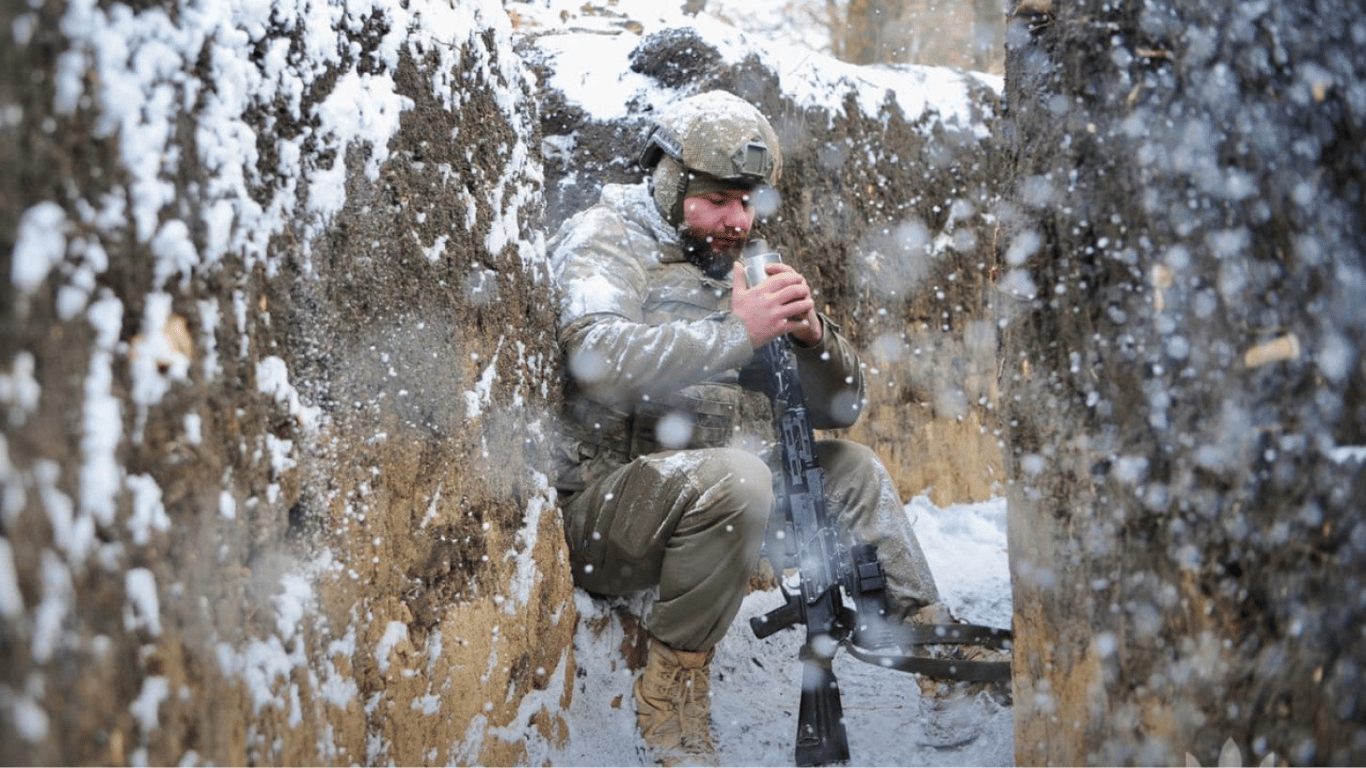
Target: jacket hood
(638, 206)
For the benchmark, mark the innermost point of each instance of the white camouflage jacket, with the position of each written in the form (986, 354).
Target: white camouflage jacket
(655, 357)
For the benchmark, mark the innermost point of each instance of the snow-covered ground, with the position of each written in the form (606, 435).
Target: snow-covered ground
(755, 682)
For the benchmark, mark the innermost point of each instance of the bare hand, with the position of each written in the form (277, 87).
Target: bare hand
(782, 303)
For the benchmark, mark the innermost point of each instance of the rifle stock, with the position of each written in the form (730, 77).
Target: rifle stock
(821, 737)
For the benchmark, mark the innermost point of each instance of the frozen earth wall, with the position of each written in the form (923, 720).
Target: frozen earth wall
(1183, 380)
(274, 371)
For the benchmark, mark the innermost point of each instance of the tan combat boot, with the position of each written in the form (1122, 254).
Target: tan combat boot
(673, 706)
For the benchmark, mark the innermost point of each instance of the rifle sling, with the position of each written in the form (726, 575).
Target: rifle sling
(942, 634)
(936, 634)
(949, 669)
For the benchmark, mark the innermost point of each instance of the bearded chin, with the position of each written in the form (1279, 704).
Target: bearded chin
(698, 250)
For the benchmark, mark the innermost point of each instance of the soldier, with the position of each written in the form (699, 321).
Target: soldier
(658, 325)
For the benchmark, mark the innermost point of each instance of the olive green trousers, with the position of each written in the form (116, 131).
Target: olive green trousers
(692, 523)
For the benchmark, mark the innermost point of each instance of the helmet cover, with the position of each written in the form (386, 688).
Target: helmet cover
(714, 133)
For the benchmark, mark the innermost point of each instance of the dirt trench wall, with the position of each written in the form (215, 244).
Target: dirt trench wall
(275, 366)
(1183, 381)
(887, 204)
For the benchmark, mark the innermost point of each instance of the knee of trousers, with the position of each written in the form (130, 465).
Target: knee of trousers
(735, 489)
(845, 456)
(853, 466)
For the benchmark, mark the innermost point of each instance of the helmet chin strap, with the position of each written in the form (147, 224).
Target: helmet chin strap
(664, 167)
(676, 215)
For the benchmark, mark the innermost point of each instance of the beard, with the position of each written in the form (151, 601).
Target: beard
(702, 253)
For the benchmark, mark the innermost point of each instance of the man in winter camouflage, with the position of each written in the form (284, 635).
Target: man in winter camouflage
(658, 326)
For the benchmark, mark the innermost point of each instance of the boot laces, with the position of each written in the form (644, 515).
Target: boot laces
(674, 707)
(695, 708)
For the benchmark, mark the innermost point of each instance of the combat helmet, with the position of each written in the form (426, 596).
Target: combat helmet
(714, 135)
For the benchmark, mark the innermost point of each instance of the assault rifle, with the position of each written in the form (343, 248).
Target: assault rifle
(841, 597)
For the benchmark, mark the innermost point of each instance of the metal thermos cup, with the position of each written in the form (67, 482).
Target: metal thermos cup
(758, 256)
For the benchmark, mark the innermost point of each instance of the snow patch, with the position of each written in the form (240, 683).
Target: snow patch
(272, 378)
(143, 611)
(40, 245)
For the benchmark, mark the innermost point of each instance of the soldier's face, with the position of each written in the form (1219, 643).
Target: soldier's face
(721, 218)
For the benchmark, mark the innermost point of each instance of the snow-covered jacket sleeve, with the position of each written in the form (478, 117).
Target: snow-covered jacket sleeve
(832, 378)
(615, 353)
